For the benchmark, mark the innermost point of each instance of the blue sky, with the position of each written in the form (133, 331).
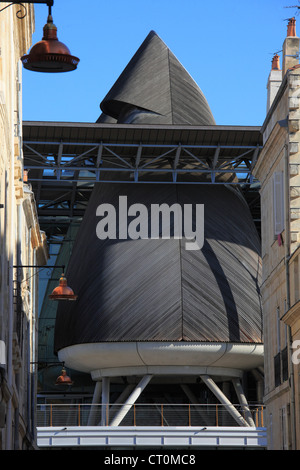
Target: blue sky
(226, 46)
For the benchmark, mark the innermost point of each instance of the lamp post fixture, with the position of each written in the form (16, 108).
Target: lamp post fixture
(63, 378)
(48, 55)
(62, 291)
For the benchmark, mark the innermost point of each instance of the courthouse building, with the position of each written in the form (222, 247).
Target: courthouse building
(154, 324)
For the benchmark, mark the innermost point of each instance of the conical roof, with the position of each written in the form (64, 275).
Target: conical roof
(155, 88)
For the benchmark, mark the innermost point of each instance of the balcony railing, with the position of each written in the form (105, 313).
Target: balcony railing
(49, 415)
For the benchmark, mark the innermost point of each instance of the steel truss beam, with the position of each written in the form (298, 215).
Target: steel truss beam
(65, 160)
(130, 162)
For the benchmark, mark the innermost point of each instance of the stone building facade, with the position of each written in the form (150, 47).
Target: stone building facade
(21, 243)
(278, 169)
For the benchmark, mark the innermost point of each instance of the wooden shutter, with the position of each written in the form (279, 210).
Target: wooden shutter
(278, 203)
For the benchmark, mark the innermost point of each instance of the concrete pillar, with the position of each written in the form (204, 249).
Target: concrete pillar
(105, 401)
(224, 418)
(131, 400)
(123, 396)
(259, 385)
(96, 400)
(224, 400)
(243, 401)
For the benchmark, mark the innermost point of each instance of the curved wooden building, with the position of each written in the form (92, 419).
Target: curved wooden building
(156, 289)
(150, 305)
(155, 88)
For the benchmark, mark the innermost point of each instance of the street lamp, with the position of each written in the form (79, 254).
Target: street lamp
(48, 55)
(63, 378)
(62, 291)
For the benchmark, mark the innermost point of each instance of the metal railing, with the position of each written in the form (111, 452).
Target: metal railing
(49, 415)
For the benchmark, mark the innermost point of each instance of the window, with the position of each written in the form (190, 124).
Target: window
(278, 329)
(278, 203)
(284, 364)
(277, 370)
(281, 365)
(296, 279)
(283, 425)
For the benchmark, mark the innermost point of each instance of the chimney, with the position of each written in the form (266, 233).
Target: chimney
(274, 81)
(290, 47)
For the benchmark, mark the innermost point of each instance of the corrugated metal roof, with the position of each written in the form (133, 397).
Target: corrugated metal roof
(135, 133)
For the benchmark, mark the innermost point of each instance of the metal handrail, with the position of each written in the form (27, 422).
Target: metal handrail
(143, 414)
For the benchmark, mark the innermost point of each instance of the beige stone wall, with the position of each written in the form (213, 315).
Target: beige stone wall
(292, 318)
(20, 241)
(273, 287)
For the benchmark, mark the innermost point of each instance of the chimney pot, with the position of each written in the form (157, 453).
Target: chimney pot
(275, 62)
(291, 28)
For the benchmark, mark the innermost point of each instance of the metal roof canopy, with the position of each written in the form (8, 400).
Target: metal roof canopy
(65, 159)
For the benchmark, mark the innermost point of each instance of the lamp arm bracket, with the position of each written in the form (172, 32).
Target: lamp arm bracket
(21, 14)
(39, 266)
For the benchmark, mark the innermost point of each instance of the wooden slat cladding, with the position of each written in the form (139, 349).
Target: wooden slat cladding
(157, 88)
(221, 282)
(156, 290)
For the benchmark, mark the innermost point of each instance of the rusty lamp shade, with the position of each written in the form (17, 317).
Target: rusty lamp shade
(50, 55)
(62, 291)
(63, 379)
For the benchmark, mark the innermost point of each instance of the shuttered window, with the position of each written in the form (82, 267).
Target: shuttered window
(277, 369)
(284, 364)
(278, 203)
